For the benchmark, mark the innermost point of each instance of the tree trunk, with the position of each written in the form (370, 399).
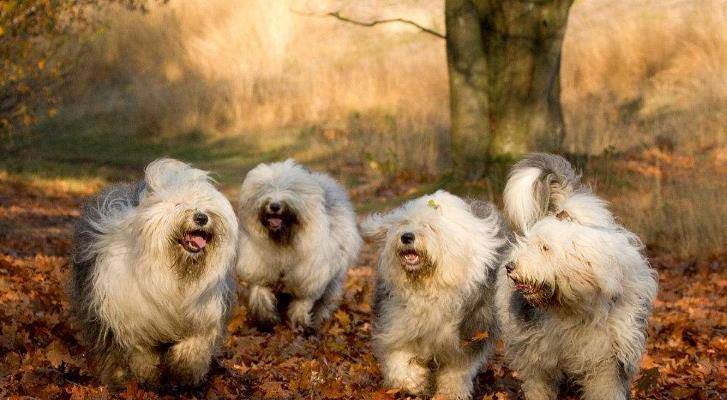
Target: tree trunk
(504, 69)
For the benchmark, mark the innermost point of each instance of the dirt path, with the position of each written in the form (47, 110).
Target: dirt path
(41, 358)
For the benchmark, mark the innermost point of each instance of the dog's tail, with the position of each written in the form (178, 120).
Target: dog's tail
(537, 186)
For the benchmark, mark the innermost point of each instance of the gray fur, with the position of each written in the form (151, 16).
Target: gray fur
(557, 179)
(111, 201)
(323, 243)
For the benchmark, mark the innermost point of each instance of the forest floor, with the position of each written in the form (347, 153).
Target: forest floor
(40, 356)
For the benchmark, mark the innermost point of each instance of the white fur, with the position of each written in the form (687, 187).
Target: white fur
(594, 328)
(136, 294)
(521, 206)
(420, 320)
(313, 266)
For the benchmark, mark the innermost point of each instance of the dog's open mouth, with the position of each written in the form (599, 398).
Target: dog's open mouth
(526, 288)
(195, 241)
(275, 222)
(534, 293)
(410, 259)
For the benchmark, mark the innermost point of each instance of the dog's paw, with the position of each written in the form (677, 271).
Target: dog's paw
(453, 393)
(414, 379)
(189, 361)
(299, 314)
(144, 365)
(454, 383)
(262, 306)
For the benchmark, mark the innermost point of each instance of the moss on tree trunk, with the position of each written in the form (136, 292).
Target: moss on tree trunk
(504, 68)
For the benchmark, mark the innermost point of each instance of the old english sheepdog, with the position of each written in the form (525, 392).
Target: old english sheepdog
(298, 237)
(434, 313)
(576, 292)
(153, 274)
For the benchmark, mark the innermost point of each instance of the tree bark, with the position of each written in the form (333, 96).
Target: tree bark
(504, 68)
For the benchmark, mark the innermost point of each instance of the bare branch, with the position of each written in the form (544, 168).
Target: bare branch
(338, 16)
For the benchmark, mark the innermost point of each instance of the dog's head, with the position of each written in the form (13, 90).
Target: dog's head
(184, 220)
(436, 239)
(559, 262)
(278, 200)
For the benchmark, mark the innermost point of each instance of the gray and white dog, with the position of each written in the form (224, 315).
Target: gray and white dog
(435, 283)
(299, 237)
(575, 297)
(153, 274)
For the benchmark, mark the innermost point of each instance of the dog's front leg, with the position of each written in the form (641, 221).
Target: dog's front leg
(607, 382)
(299, 312)
(401, 369)
(189, 359)
(539, 384)
(455, 379)
(307, 283)
(262, 305)
(144, 364)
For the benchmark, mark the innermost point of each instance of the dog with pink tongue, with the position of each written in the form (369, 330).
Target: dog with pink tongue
(152, 277)
(298, 237)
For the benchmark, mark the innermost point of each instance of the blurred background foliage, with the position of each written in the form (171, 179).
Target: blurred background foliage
(40, 41)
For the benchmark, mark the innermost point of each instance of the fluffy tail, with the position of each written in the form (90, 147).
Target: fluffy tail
(537, 186)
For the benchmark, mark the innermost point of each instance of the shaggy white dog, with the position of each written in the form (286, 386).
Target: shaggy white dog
(575, 297)
(152, 277)
(438, 257)
(298, 237)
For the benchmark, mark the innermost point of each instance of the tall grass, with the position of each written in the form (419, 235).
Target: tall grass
(229, 66)
(637, 72)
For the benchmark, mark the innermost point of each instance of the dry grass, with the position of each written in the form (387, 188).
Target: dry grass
(635, 75)
(637, 72)
(230, 67)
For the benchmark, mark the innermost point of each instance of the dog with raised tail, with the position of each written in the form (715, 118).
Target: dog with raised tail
(298, 239)
(576, 293)
(152, 277)
(434, 312)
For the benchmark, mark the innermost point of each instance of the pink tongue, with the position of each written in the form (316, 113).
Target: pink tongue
(198, 241)
(275, 222)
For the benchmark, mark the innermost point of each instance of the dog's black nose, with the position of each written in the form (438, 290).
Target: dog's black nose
(200, 218)
(509, 267)
(407, 238)
(274, 207)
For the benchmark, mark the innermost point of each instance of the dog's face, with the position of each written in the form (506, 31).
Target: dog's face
(183, 220)
(278, 218)
(413, 243)
(278, 200)
(561, 263)
(432, 238)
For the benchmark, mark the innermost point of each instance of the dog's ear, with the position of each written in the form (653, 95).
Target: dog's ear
(374, 228)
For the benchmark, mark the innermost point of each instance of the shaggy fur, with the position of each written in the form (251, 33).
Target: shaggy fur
(438, 256)
(575, 297)
(298, 237)
(152, 277)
